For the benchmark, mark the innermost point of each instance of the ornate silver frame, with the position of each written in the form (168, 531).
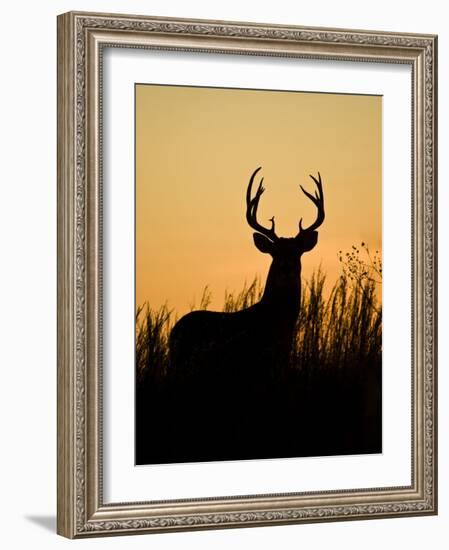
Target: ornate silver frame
(81, 510)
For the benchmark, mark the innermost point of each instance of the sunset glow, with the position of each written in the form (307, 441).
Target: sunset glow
(195, 151)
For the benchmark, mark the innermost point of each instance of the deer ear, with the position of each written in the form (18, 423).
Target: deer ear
(263, 243)
(308, 240)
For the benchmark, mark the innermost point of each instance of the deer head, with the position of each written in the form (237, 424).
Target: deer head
(266, 240)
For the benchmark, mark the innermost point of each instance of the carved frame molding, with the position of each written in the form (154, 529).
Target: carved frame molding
(81, 39)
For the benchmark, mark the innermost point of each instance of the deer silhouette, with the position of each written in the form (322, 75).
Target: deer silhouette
(261, 335)
(228, 364)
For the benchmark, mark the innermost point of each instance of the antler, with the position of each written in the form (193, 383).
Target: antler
(318, 201)
(251, 209)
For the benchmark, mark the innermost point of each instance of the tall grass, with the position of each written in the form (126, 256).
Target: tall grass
(337, 329)
(153, 330)
(341, 330)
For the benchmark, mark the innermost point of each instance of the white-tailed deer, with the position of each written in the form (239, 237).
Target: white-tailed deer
(253, 344)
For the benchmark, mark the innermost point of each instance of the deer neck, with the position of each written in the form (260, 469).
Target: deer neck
(283, 288)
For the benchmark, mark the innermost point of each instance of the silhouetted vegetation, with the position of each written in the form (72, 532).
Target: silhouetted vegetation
(327, 402)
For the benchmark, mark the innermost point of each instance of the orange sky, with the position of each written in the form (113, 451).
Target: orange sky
(195, 151)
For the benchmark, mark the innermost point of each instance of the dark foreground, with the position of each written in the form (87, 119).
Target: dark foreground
(311, 412)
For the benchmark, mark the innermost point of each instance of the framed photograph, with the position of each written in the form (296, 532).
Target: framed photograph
(246, 274)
